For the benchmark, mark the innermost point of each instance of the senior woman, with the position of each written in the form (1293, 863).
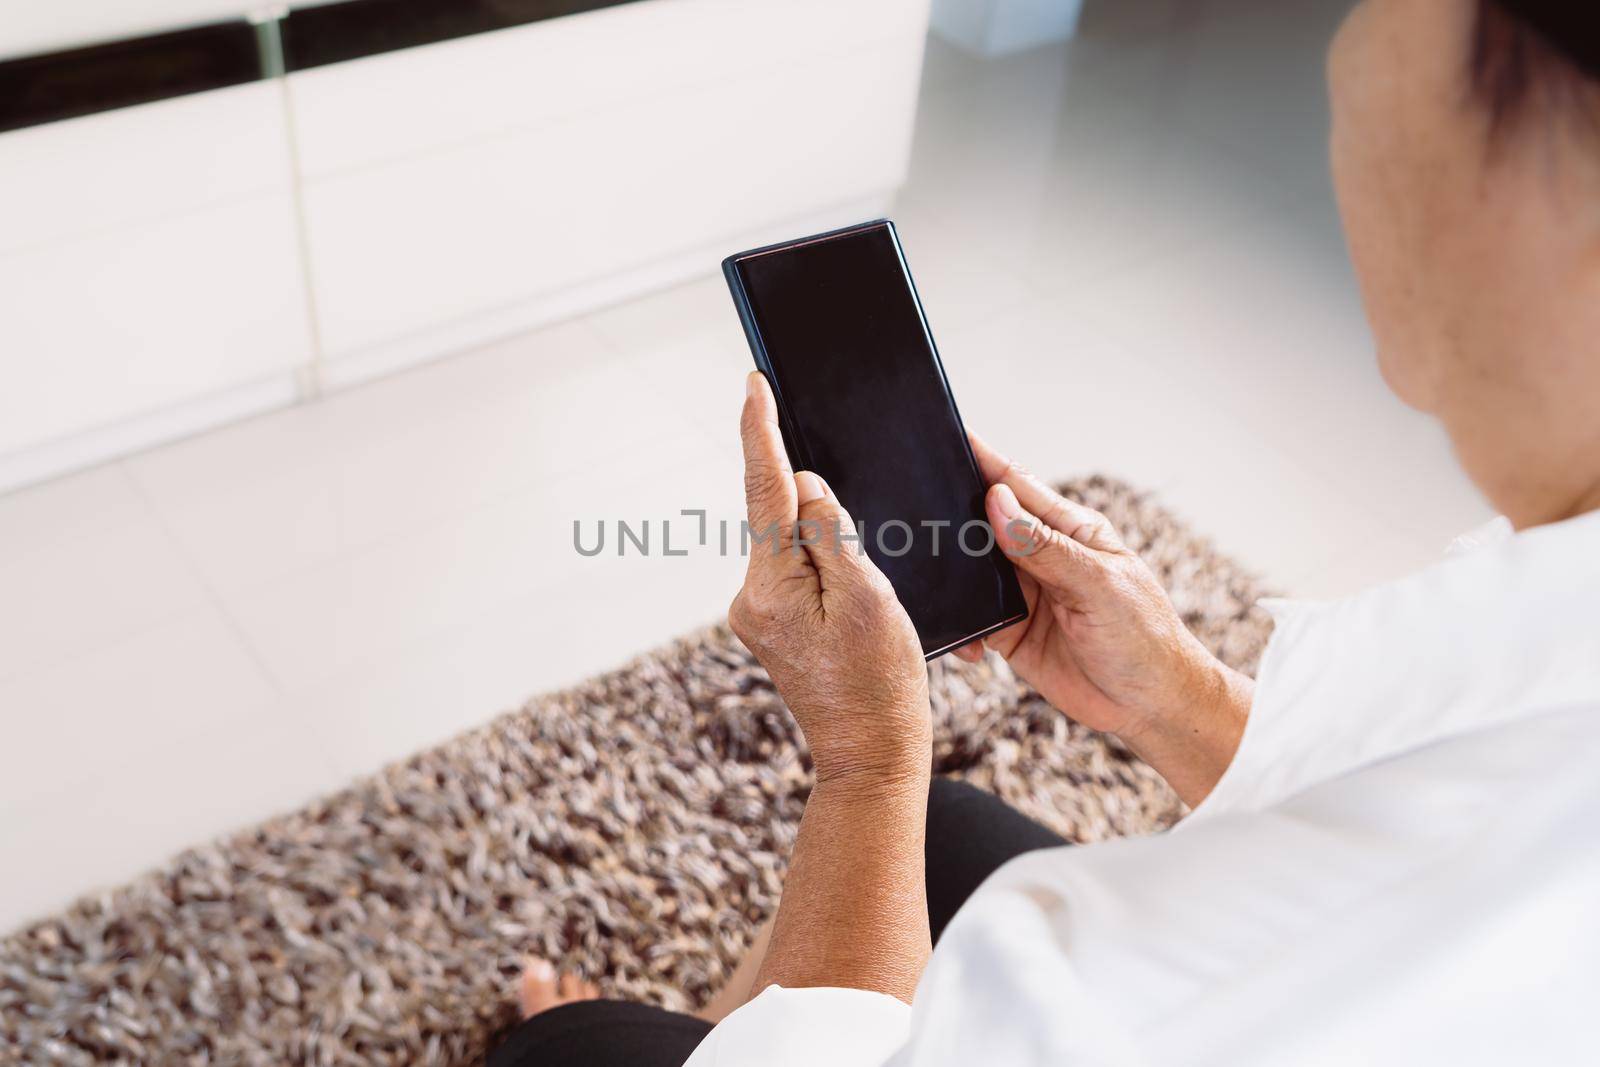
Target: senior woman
(1395, 850)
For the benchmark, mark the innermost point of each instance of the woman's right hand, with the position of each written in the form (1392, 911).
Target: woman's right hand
(1102, 641)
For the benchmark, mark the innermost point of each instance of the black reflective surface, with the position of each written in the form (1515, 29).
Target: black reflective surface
(314, 36)
(139, 70)
(837, 326)
(81, 81)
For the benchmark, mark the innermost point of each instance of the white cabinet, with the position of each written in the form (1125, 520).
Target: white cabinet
(454, 182)
(167, 266)
(145, 318)
(93, 174)
(397, 104)
(148, 261)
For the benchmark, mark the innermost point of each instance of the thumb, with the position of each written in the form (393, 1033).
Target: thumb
(826, 530)
(1054, 559)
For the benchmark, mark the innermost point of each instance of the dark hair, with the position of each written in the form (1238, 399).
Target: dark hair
(1528, 53)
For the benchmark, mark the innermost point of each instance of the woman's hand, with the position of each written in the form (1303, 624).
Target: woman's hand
(824, 621)
(1102, 641)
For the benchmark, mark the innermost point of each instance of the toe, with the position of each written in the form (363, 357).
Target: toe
(538, 987)
(572, 988)
(543, 988)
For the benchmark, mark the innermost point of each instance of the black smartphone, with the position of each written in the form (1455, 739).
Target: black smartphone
(836, 325)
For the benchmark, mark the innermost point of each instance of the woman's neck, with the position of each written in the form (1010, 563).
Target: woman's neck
(1568, 505)
(1528, 509)
(1589, 501)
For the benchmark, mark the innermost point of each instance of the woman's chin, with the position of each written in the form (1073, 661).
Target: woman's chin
(1406, 381)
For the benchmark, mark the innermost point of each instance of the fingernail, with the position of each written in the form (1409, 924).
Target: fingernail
(1007, 502)
(750, 380)
(1019, 528)
(809, 486)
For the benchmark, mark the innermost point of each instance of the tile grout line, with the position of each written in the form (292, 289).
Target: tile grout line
(215, 599)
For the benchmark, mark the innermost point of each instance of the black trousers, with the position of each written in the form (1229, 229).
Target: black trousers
(970, 835)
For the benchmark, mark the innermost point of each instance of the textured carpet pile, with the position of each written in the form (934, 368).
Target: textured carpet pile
(635, 827)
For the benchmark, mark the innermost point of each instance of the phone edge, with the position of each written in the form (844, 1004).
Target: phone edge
(966, 442)
(799, 457)
(801, 460)
(929, 657)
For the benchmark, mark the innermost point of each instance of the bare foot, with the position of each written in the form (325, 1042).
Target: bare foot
(542, 989)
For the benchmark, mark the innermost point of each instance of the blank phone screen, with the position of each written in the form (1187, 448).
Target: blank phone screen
(837, 326)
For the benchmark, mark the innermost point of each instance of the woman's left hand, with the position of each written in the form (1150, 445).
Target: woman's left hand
(824, 621)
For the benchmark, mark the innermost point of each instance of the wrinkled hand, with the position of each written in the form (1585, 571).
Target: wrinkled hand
(824, 621)
(1102, 641)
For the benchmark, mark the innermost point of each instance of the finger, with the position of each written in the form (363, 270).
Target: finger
(768, 480)
(828, 534)
(991, 464)
(1054, 559)
(1078, 521)
(970, 653)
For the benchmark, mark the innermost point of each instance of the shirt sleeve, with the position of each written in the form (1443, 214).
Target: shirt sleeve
(999, 989)
(1255, 776)
(1317, 712)
(808, 1028)
(1346, 683)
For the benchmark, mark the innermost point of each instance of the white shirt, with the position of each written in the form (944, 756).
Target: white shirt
(1401, 865)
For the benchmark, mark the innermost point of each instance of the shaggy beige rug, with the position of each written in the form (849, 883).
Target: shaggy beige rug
(635, 827)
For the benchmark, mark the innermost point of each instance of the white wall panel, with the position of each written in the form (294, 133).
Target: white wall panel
(417, 100)
(462, 232)
(139, 163)
(122, 323)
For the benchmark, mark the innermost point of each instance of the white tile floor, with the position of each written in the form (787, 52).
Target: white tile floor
(1128, 253)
